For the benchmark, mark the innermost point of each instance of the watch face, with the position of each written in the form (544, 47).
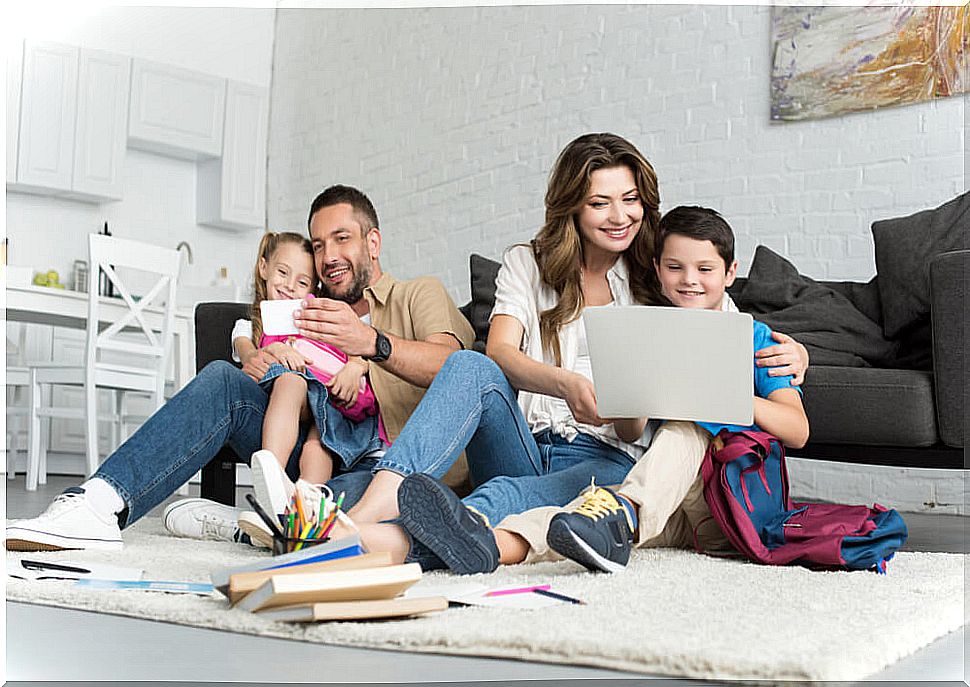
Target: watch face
(383, 346)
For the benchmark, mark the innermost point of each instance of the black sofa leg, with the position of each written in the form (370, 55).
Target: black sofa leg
(219, 478)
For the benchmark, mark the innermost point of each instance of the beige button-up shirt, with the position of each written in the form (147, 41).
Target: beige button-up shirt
(413, 309)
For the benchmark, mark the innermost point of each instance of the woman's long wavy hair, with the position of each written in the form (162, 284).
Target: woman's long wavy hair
(267, 246)
(558, 247)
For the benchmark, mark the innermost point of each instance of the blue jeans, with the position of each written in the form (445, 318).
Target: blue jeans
(471, 406)
(220, 406)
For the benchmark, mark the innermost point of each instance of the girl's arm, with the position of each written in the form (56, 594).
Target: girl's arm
(782, 415)
(526, 374)
(245, 349)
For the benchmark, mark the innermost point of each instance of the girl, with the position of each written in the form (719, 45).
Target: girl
(299, 381)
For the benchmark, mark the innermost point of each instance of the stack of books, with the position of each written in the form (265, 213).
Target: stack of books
(336, 580)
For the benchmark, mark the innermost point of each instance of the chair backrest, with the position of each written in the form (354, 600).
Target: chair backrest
(107, 253)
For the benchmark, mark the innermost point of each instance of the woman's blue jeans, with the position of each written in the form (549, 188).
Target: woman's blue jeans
(471, 406)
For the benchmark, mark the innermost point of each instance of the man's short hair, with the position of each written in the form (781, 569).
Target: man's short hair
(364, 210)
(700, 224)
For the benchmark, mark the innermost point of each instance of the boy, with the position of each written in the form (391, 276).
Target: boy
(661, 502)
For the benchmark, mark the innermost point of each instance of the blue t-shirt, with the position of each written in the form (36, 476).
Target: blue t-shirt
(763, 383)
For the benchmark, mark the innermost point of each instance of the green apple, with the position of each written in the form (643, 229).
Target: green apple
(40, 279)
(53, 277)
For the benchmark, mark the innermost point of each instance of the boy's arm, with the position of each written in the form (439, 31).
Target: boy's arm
(782, 415)
(630, 429)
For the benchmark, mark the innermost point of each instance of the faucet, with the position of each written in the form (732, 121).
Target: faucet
(188, 254)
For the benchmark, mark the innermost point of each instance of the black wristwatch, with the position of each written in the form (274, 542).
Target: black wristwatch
(382, 346)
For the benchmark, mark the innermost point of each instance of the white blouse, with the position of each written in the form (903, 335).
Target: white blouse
(520, 293)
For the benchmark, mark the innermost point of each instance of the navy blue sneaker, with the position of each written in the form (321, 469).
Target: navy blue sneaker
(436, 517)
(598, 534)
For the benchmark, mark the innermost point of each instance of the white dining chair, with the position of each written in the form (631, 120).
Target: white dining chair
(17, 384)
(106, 254)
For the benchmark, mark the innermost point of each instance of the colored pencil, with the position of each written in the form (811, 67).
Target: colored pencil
(561, 597)
(518, 590)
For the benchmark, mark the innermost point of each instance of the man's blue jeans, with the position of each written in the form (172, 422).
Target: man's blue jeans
(220, 406)
(471, 406)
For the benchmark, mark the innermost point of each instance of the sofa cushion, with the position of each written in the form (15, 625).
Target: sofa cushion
(820, 317)
(869, 406)
(905, 246)
(483, 274)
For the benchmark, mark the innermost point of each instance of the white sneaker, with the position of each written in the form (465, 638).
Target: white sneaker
(68, 523)
(253, 525)
(273, 488)
(202, 519)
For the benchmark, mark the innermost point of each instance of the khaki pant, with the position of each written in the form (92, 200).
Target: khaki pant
(666, 487)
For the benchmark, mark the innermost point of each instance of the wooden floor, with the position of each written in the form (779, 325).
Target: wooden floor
(99, 648)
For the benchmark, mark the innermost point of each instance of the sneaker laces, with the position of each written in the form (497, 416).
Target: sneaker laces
(218, 528)
(597, 503)
(64, 502)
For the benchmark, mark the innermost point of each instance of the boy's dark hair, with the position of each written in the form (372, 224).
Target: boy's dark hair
(364, 210)
(701, 224)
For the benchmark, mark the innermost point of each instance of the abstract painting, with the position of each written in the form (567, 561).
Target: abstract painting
(831, 60)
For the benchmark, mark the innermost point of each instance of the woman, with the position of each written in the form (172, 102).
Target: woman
(540, 446)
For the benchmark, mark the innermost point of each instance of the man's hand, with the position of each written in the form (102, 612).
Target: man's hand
(581, 399)
(288, 356)
(787, 358)
(345, 385)
(335, 323)
(258, 364)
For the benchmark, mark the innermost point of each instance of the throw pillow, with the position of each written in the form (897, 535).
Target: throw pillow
(824, 320)
(483, 274)
(905, 247)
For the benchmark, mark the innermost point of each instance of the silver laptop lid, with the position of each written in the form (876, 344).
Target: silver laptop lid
(672, 363)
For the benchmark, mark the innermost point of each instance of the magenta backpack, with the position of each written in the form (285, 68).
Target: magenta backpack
(746, 489)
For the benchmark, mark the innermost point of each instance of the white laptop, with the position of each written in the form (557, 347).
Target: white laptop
(671, 363)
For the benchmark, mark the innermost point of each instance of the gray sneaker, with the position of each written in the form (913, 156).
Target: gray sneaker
(435, 516)
(68, 523)
(203, 519)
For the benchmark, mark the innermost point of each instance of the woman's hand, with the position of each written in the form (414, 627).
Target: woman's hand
(580, 396)
(288, 356)
(345, 385)
(787, 358)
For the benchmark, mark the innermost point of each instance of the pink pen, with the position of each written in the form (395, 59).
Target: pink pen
(519, 590)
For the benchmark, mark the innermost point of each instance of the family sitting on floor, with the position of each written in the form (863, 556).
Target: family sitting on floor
(410, 398)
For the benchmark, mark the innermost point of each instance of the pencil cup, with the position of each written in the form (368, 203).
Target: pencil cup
(283, 545)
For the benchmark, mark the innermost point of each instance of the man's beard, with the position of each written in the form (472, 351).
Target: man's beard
(355, 291)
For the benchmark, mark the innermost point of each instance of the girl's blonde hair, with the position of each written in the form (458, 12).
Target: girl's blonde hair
(557, 247)
(267, 246)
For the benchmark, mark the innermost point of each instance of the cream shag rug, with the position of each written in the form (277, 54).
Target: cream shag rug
(670, 612)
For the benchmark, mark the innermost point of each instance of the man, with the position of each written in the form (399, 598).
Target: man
(406, 328)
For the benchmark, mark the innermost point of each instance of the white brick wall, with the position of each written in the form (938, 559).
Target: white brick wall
(451, 118)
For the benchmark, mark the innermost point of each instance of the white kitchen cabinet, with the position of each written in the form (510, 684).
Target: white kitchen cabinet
(231, 190)
(176, 112)
(72, 123)
(15, 65)
(102, 120)
(45, 151)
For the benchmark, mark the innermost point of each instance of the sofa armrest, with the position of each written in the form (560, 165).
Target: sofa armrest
(948, 312)
(213, 327)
